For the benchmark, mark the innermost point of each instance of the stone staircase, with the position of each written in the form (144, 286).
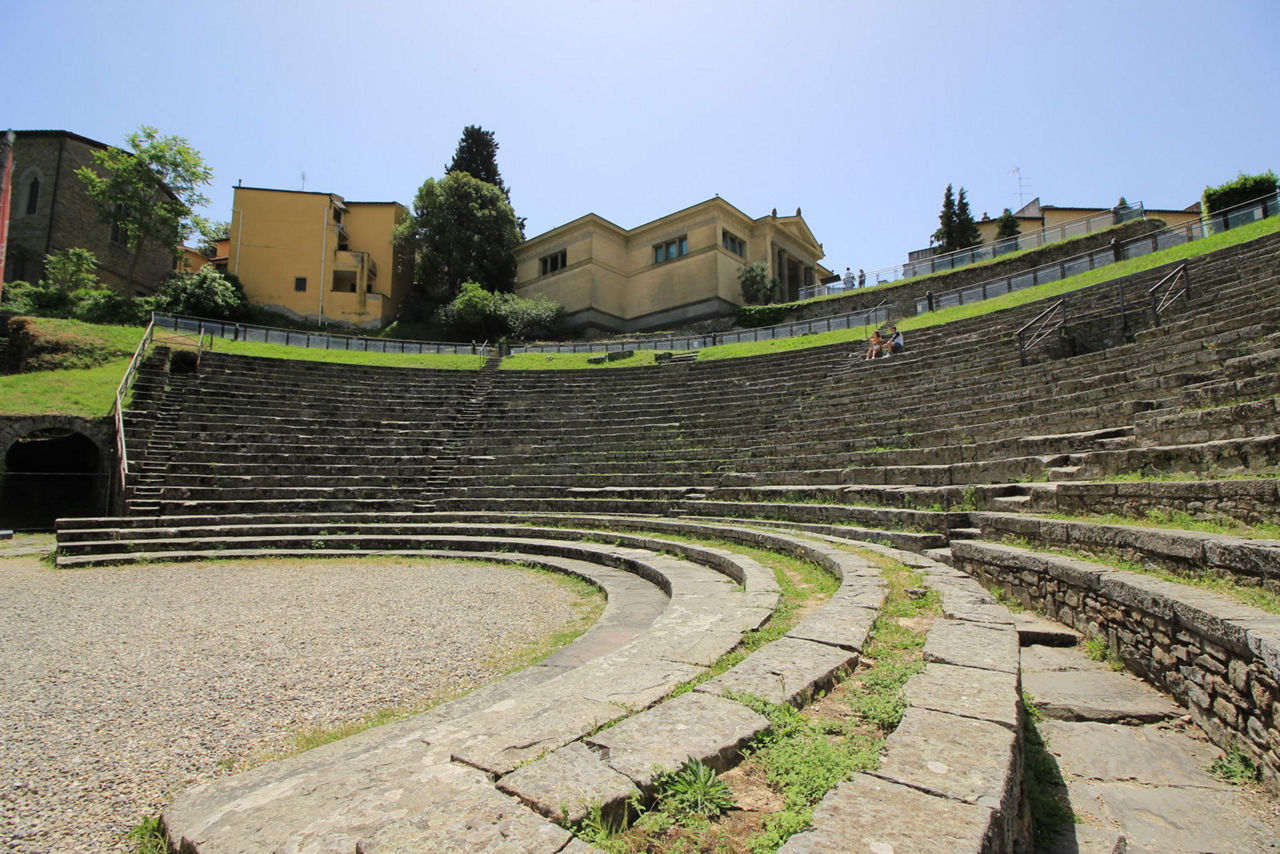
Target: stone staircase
(939, 458)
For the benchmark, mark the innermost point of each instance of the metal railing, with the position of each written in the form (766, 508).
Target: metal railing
(1168, 290)
(301, 338)
(1041, 327)
(966, 257)
(1135, 247)
(131, 373)
(877, 314)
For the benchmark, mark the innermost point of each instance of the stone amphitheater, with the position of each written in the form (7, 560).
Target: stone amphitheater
(953, 458)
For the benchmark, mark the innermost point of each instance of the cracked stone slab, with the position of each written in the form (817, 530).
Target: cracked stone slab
(866, 814)
(989, 695)
(785, 671)
(1113, 753)
(844, 624)
(1035, 630)
(1048, 658)
(1105, 696)
(564, 785)
(1172, 818)
(695, 724)
(519, 735)
(466, 818)
(966, 644)
(962, 758)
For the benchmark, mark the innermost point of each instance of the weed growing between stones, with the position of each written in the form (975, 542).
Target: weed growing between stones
(1098, 649)
(1177, 520)
(147, 837)
(1043, 778)
(1235, 768)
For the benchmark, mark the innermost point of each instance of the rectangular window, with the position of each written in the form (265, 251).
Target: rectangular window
(33, 195)
(553, 262)
(119, 234)
(734, 244)
(300, 283)
(671, 250)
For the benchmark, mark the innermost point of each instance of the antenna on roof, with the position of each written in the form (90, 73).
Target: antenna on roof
(304, 181)
(1017, 173)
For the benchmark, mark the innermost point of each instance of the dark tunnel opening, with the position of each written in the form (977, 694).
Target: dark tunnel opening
(51, 474)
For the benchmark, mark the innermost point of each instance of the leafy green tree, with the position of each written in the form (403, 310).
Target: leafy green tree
(1007, 225)
(71, 270)
(205, 293)
(1245, 188)
(757, 287)
(211, 231)
(150, 192)
(477, 155)
(966, 229)
(462, 230)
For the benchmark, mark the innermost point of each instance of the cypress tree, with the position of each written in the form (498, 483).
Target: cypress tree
(966, 229)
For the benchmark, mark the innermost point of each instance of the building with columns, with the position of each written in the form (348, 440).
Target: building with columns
(672, 271)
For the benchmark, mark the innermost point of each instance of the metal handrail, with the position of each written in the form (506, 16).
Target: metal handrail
(1161, 301)
(122, 449)
(1045, 328)
(1103, 256)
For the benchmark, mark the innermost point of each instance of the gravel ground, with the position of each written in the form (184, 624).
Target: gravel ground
(119, 687)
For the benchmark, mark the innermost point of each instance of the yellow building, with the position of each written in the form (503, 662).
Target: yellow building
(674, 270)
(316, 257)
(1069, 222)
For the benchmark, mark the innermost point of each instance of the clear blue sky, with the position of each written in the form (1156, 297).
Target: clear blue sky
(859, 113)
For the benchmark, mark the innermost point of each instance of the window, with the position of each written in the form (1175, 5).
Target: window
(671, 250)
(33, 195)
(300, 283)
(553, 262)
(119, 234)
(736, 245)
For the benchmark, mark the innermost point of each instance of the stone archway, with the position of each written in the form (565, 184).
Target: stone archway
(54, 466)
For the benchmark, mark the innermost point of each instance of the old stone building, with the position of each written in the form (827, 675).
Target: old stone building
(49, 210)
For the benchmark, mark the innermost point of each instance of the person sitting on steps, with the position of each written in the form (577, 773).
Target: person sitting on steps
(896, 344)
(877, 346)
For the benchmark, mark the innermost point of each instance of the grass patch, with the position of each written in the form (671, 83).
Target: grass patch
(86, 392)
(146, 837)
(573, 361)
(1096, 648)
(433, 361)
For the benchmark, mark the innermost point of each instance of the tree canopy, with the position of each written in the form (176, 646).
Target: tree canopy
(462, 230)
(1007, 225)
(149, 192)
(477, 155)
(956, 227)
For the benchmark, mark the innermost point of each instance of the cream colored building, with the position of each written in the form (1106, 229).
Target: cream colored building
(674, 270)
(1033, 217)
(317, 257)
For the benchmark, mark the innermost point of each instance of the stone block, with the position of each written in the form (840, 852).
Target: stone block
(868, 813)
(564, 785)
(988, 695)
(966, 644)
(695, 724)
(785, 671)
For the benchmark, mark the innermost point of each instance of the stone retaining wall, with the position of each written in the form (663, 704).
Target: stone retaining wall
(1249, 501)
(1218, 657)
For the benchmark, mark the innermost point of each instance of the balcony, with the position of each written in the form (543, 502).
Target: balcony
(354, 261)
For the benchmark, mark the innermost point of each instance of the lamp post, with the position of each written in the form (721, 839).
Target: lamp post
(6, 155)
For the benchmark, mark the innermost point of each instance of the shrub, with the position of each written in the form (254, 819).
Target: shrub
(1245, 188)
(757, 287)
(205, 293)
(71, 270)
(478, 314)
